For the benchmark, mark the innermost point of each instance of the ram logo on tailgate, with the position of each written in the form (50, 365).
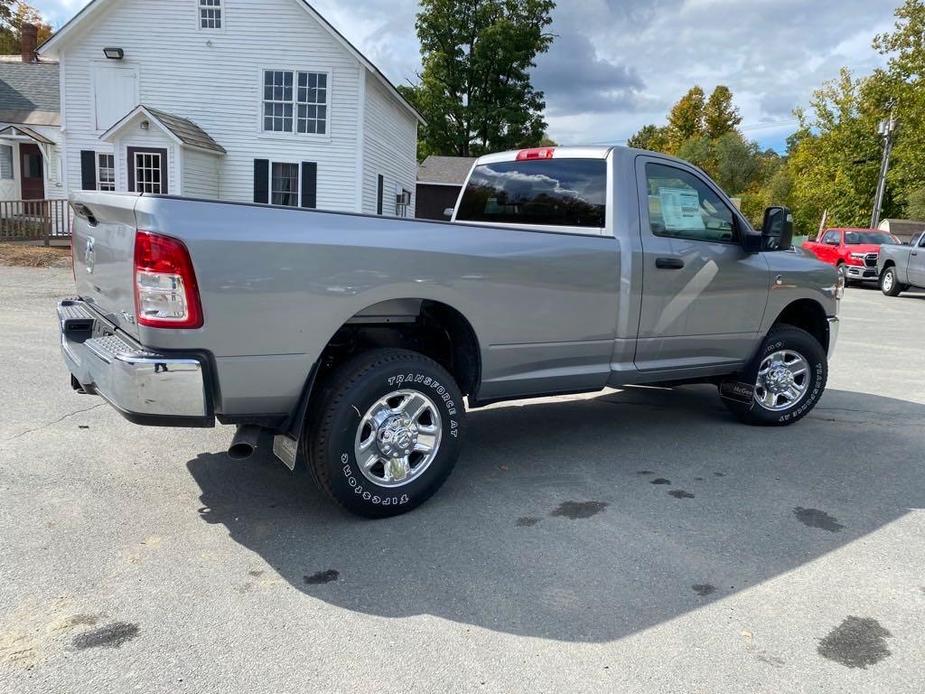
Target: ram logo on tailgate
(90, 255)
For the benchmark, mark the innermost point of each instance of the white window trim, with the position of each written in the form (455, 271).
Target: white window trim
(298, 192)
(221, 29)
(97, 156)
(276, 135)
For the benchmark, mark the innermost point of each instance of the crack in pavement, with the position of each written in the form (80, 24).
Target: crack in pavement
(50, 424)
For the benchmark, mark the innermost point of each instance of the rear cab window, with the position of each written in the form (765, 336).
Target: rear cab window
(561, 194)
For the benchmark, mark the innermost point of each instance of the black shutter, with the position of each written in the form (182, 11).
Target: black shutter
(87, 170)
(379, 194)
(309, 184)
(262, 180)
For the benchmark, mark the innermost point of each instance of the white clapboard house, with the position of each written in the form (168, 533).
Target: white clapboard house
(240, 100)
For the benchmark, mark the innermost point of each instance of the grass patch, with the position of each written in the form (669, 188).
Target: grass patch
(26, 255)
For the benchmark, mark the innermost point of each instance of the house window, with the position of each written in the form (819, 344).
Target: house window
(402, 203)
(105, 172)
(148, 168)
(284, 184)
(295, 102)
(210, 14)
(6, 161)
(312, 99)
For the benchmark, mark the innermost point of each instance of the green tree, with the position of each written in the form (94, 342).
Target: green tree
(738, 164)
(13, 14)
(719, 115)
(835, 162)
(474, 90)
(698, 150)
(916, 205)
(686, 119)
(650, 137)
(903, 83)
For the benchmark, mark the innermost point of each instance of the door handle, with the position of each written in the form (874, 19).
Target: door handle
(669, 263)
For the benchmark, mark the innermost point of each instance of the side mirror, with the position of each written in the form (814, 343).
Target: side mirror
(777, 230)
(448, 212)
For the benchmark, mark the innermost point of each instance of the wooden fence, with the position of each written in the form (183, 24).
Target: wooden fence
(35, 220)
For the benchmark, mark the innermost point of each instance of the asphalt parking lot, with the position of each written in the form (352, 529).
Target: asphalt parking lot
(630, 541)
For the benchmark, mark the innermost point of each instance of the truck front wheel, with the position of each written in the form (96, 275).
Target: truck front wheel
(788, 377)
(889, 284)
(385, 433)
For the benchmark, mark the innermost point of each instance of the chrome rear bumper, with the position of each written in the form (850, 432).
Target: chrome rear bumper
(146, 387)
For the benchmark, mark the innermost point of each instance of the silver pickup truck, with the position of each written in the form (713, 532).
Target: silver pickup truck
(351, 341)
(902, 267)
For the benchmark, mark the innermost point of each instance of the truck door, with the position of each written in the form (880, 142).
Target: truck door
(831, 243)
(916, 268)
(703, 296)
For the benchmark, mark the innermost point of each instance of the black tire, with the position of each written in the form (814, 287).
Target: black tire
(888, 279)
(784, 338)
(345, 398)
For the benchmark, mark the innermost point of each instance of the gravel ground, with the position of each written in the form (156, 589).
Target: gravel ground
(638, 541)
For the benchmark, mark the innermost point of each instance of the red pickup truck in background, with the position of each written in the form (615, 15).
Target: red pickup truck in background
(853, 251)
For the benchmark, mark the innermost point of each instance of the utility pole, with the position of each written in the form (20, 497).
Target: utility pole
(887, 130)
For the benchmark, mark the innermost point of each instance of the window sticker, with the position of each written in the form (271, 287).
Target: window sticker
(681, 209)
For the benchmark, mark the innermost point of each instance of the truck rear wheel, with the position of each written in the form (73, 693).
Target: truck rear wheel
(788, 378)
(386, 432)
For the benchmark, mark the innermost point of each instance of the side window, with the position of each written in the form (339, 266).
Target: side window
(545, 192)
(922, 241)
(6, 161)
(832, 238)
(683, 206)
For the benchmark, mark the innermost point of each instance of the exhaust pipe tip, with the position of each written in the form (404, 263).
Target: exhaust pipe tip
(245, 442)
(241, 451)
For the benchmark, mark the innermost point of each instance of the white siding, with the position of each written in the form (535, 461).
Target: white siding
(390, 149)
(201, 174)
(214, 79)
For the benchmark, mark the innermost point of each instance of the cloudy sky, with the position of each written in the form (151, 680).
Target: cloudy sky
(619, 64)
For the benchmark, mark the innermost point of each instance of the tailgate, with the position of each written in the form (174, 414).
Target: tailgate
(104, 248)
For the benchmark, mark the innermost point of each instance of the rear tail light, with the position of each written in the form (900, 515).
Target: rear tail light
(537, 153)
(166, 293)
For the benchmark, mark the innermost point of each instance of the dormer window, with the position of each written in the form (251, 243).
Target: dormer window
(210, 14)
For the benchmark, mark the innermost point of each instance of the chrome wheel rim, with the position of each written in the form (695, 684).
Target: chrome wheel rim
(398, 438)
(887, 281)
(783, 380)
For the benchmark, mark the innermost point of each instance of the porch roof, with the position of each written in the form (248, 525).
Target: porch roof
(184, 131)
(22, 132)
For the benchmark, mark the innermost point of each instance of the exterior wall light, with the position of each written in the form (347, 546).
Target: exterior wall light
(114, 53)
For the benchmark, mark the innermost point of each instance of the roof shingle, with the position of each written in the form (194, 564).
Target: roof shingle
(30, 93)
(186, 130)
(449, 170)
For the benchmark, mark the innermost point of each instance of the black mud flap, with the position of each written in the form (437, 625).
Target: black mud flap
(739, 392)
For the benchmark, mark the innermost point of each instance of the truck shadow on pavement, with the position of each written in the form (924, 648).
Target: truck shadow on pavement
(588, 520)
